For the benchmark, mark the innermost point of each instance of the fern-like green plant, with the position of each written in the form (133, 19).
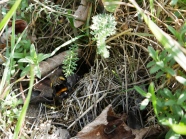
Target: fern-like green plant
(52, 11)
(103, 27)
(69, 64)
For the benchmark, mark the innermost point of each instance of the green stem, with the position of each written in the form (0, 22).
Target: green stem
(154, 99)
(25, 107)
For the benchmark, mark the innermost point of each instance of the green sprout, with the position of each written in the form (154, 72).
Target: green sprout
(69, 63)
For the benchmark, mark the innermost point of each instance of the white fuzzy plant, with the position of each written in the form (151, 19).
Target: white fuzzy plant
(104, 25)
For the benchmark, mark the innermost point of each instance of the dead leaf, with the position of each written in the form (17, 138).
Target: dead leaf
(2, 46)
(106, 126)
(20, 25)
(81, 13)
(42, 92)
(110, 126)
(146, 132)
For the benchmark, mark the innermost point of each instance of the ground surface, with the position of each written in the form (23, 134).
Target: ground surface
(101, 81)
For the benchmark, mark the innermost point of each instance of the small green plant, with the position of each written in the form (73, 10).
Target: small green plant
(180, 34)
(104, 25)
(51, 10)
(168, 105)
(35, 59)
(33, 64)
(10, 110)
(69, 64)
(22, 7)
(161, 63)
(22, 53)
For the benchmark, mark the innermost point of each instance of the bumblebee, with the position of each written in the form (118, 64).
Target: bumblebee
(55, 88)
(63, 90)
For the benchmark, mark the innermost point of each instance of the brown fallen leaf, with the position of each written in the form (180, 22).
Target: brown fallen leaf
(42, 92)
(146, 132)
(106, 126)
(20, 25)
(109, 126)
(81, 13)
